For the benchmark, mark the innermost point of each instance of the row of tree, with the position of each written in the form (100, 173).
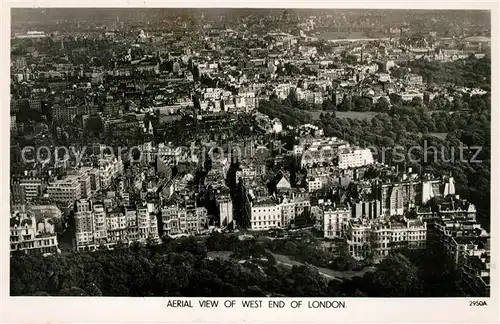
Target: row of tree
(395, 102)
(471, 72)
(287, 114)
(181, 268)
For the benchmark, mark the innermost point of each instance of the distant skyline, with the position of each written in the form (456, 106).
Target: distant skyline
(51, 19)
(44, 14)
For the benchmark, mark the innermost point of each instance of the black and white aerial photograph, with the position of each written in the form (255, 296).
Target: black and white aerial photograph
(211, 152)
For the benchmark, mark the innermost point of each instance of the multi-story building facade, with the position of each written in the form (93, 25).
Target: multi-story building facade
(319, 151)
(183, 219)
(335, 220)
(64, 112)
(288, 211)
(66, 190)
(110, 167)
(28, 235)
(265, 214)
(358, 238)
(25, 188)
(85, 184)
(354, 157)
(314, 184)
(398, 197)
(473, 259)
(116, 224)
(379, 237)
(95, 180)
(170, 220)
(195, 221)
(84, 230)
(468, 245)
(98, 225)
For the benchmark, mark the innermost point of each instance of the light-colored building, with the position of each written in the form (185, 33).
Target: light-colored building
(89, 180)
(13, 126)
(265, 214)
(288, 212)
(283, 183)
(99, 226)
(246, 171)
(85, 184)
(45, 211)
(183, 218)
(319, 151)
(379, 237)
(367, 209)
(358, 238)
(195, 221)
(110, 167)
(116, 224)
(411, 94)
(314, 184)
(311, 97)
(354, 157)
(170, 219)
(66, 190)
(27, 235)
(335, 221)
(26, 188)
(84, 229)
(277, 125)
(283, 90)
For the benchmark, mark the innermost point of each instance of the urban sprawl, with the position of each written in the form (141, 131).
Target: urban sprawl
(136, 132)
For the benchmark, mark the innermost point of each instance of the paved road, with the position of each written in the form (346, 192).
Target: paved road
(328, 273)
(286, 261)
(319, 269)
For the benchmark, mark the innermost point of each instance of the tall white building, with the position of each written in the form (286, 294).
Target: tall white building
(84, 229)
(335, 221)
(100, 224)
(288, 212)
(354, 157)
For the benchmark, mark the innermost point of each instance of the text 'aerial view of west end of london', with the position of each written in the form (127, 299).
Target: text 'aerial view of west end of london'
(250, 152)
